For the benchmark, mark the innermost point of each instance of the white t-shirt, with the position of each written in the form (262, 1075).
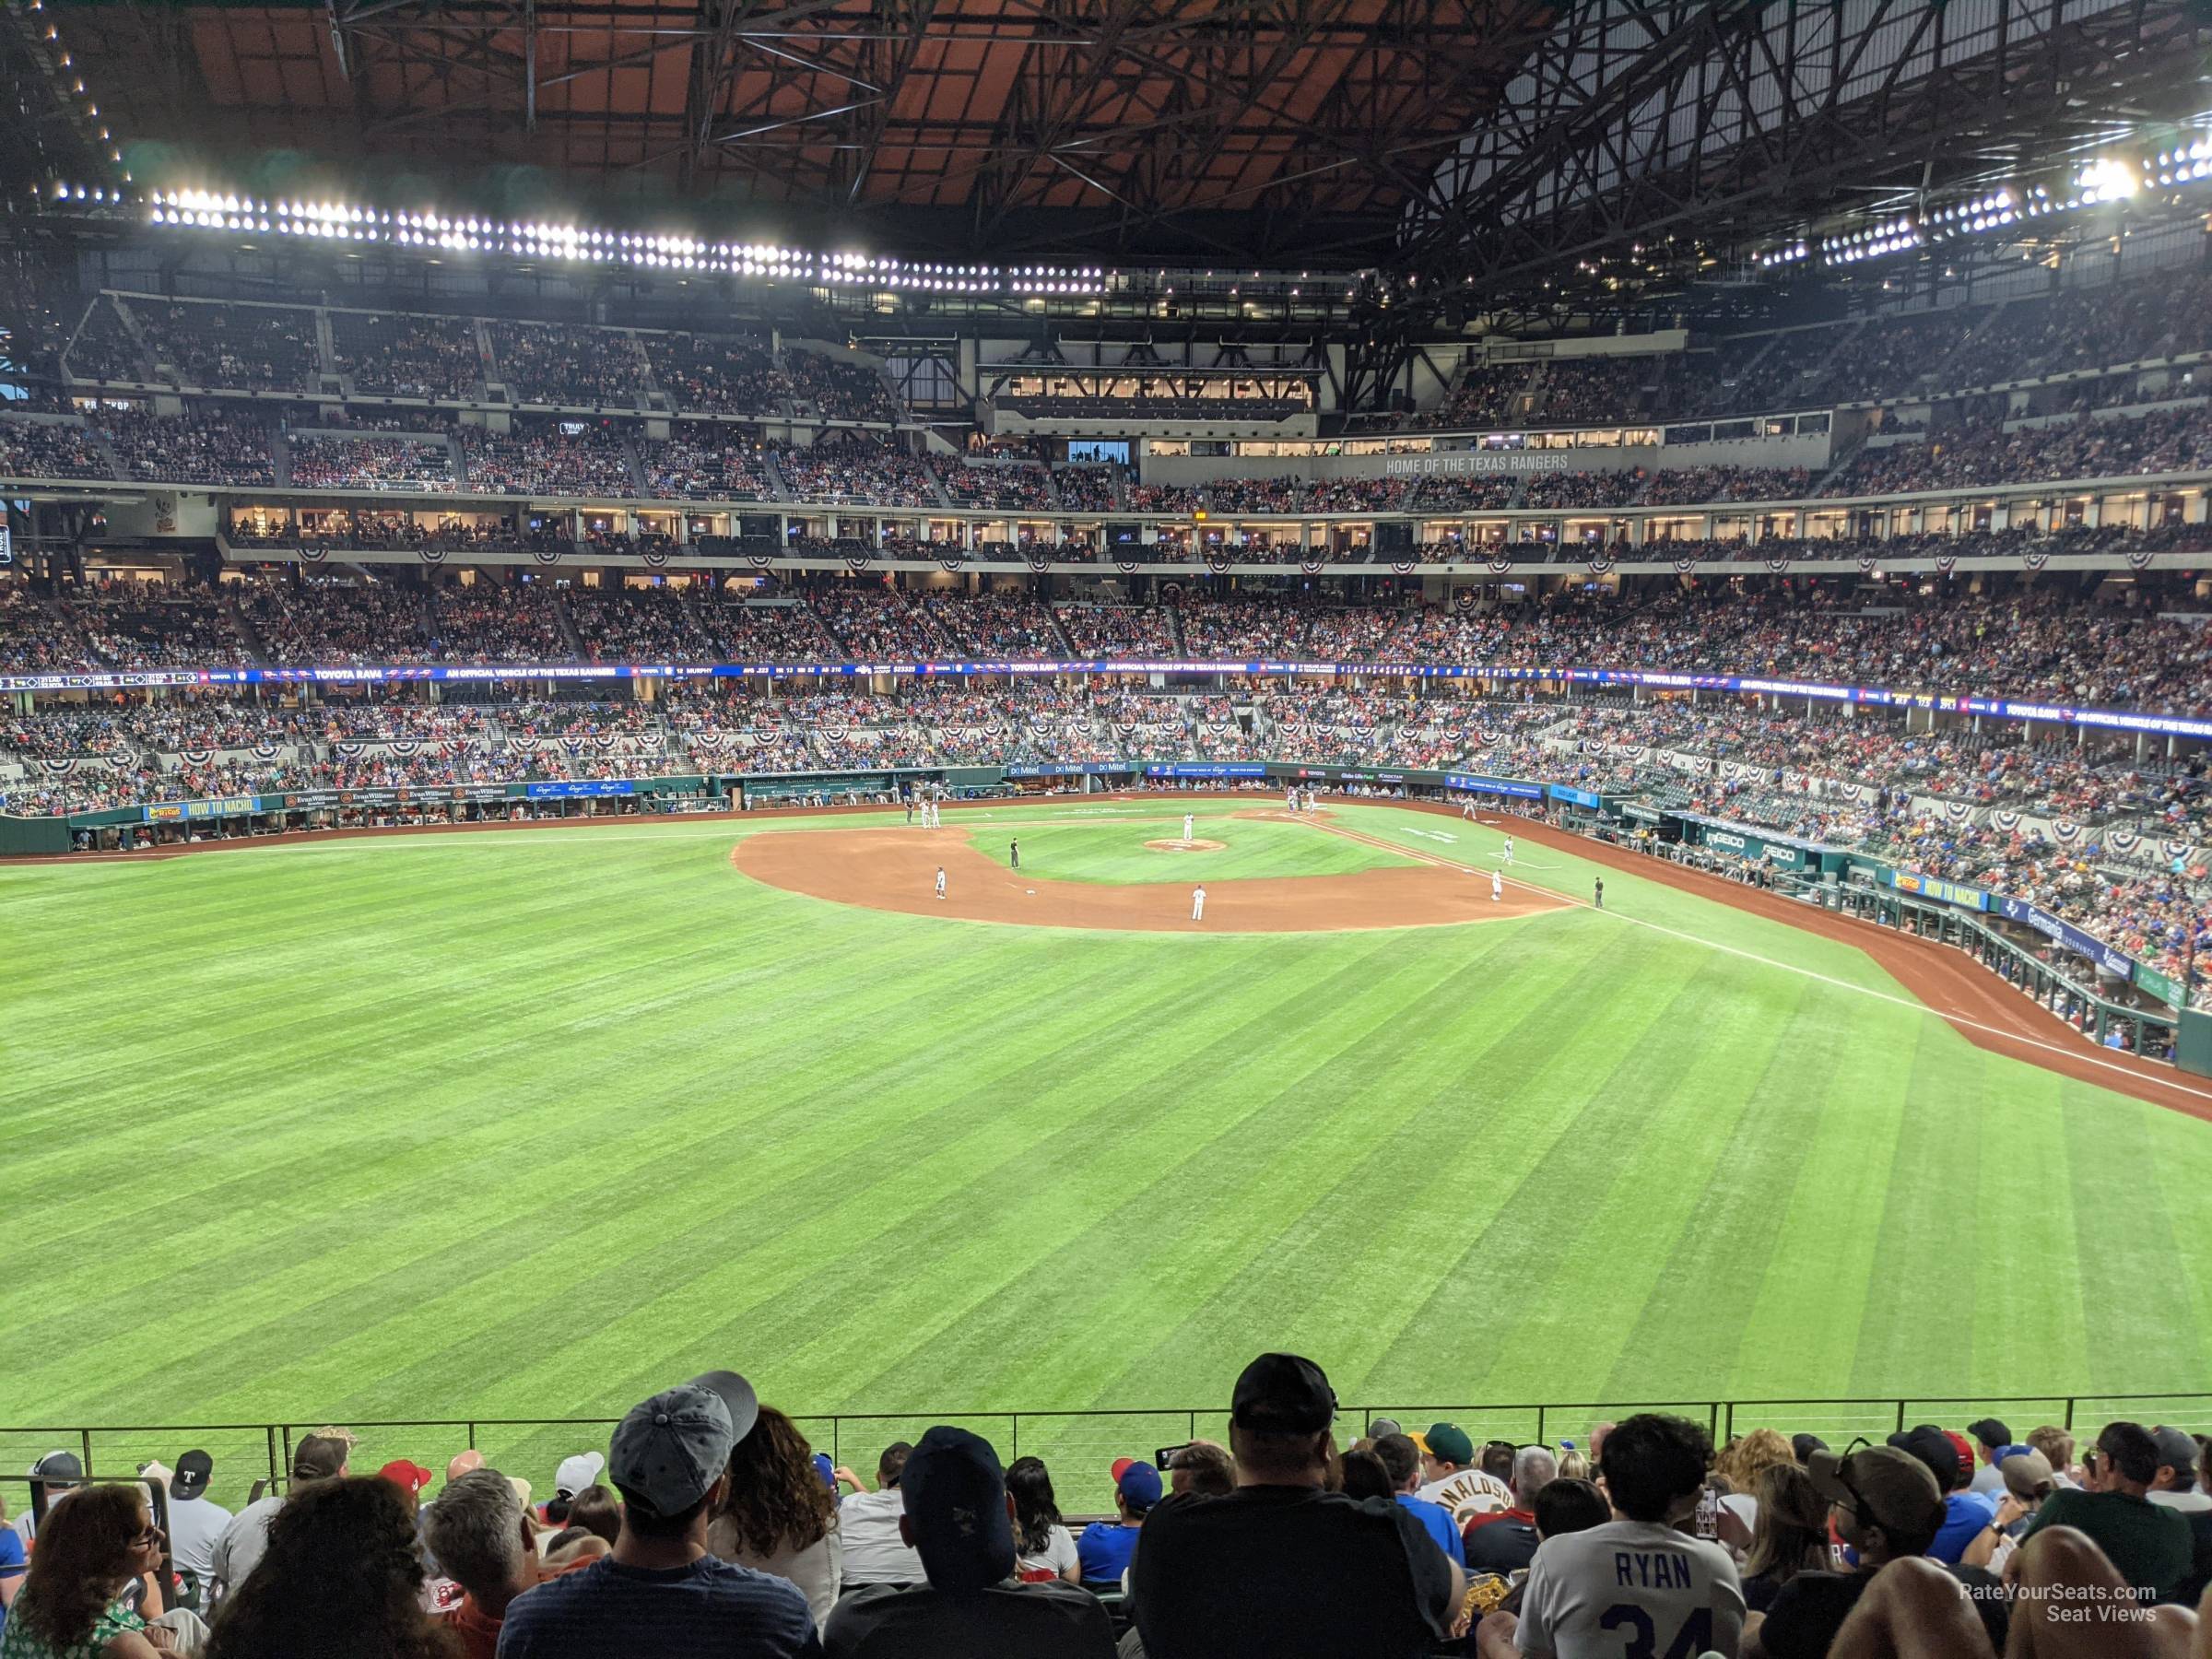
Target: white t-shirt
(1630, 1587)
(1467, 1494)
(875, 1554)
(817, 1570)
(194, 1523)
(1051, 1562)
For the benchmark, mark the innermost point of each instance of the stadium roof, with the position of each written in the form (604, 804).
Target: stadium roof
(1129, 129)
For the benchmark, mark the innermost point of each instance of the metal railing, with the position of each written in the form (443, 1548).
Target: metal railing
(1078, 1446)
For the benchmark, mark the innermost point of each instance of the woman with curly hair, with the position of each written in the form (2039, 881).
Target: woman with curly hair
(780, 1516)
(92, 1545)
(342, 1579)
(1045, 1549)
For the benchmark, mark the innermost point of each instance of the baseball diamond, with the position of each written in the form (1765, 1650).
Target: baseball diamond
(860, 830)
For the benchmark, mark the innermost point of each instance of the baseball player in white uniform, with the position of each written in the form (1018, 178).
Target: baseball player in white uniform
(1466, 810)
(1198, 904)
(1190, 822)
(1509, 849)
(1497, 887)
(940, 881)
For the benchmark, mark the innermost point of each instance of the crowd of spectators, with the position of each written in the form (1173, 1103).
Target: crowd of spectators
(704, 462)
(551, 458)
(1118, 630)
(996, 486)
(250, 347)
(1483, 394)
(155, 625)
(837, 388)
(1089, 486)
(209, 444)
(51, 449)
(1447, 492)
(998, 623)
(1687, 485)
(104, 348)
(408, 356)
(1983, 451)
(321, 460)
(591, 368)
(1586, 490)
(336, 620)
(733, 374)
(496, 622)
(637, 625)
(859, 470)
(874, 622)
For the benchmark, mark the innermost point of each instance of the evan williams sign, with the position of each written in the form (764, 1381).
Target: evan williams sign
(1477, 464)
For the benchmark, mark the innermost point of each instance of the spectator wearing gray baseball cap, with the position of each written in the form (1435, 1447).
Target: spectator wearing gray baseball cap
(659, 1592)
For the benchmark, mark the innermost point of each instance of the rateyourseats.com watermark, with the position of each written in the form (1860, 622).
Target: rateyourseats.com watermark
(2072, 1603)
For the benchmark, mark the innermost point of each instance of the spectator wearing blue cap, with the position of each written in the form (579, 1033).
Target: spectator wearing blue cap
(1105, 1547)
(960, 1519)
(659, 1592)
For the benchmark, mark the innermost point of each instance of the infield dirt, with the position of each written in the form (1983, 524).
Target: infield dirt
(896, 870)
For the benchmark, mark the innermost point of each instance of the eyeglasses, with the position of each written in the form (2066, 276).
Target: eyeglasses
(150, 1534)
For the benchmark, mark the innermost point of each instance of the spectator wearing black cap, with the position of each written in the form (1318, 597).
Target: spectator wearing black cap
(1104, 1546)
(1991, 1440)
(2148, 1545)
(960, 1519)
(2176, 1488)
(660, 1591)
(868, 1523)
(1282, 1567)
(59, 1471)
(1886, 1506)
(245, 1539)
(1966, 1513)
(1638, 1580)
(195, 1520)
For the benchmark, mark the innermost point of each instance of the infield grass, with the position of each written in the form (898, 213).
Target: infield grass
(1115, 851)
(527, 1125)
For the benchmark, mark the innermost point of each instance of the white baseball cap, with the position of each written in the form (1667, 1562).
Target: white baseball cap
(577, 1472)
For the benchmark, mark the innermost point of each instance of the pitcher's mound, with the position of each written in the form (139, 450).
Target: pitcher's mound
(1183, 846)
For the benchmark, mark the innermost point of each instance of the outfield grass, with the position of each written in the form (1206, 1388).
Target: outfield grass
(526, 1125)
(1113, 851)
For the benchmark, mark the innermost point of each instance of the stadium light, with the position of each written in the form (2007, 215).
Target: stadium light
(2109, 178)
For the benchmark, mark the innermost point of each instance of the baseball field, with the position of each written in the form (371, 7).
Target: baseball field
(523, 1125)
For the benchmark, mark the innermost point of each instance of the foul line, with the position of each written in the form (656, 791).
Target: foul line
(1963, 1020)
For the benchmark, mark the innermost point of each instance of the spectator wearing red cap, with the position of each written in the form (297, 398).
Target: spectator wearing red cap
(1104, 1549)
(409, 1476)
